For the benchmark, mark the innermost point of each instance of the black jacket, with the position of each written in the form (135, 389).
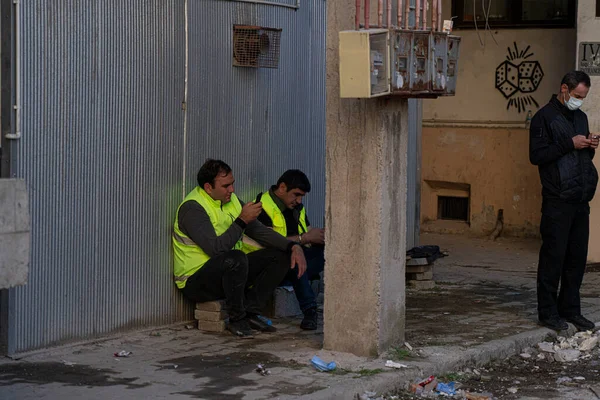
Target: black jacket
(567, 175)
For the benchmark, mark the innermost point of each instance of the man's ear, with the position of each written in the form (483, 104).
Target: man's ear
(208, 188)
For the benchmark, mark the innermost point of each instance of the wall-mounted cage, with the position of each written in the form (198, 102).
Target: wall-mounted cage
(256, 46)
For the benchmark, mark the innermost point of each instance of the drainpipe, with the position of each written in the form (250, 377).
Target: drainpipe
(16, 134)
(271, 3)
(184, 104)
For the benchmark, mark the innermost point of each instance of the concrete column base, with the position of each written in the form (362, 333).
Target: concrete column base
(366, 225)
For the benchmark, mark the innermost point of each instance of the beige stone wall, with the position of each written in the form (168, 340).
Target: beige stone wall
(588, 30)
(472, 138)
(495, 163)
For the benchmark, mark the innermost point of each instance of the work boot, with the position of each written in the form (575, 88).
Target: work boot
(554, 322)
(240, 328)
(259, 325)
(311, 317)
(581, 323)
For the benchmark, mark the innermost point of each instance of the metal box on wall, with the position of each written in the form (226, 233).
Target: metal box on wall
(411, 63)
(364, 63)
(452, 69)
(439, 61)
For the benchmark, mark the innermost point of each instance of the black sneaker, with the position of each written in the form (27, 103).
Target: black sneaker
(309, 322)
(554, 322)
(581, 323)
(259, 325)
(240, 328)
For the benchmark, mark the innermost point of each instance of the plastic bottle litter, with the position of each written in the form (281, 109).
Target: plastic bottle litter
(123, 353)
(446, 388)
(322, 365)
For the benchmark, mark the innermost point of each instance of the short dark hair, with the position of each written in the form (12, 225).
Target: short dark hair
(294, 179)
(210, 170)
(574, 78)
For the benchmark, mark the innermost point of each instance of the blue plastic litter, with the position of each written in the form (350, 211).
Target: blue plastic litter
(322, 365)
(265, 320)
(446, 388)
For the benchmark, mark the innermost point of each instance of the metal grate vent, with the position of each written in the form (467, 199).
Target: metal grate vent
(255, 46)
(453, 208)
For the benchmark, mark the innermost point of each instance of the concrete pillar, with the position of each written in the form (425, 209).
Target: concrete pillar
(588, 30)
(15, 233)
(365, 211)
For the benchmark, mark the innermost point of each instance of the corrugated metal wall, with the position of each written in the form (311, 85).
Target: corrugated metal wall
(102, 147)
(262, 121)
(413, 196)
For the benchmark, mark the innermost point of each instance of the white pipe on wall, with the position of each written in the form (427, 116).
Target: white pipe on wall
(185, 98)
(271, 3)
(16, 134)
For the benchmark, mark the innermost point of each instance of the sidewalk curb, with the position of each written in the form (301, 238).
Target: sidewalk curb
(450, 360)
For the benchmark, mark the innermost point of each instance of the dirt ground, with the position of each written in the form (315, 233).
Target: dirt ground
(518, 378)
(485, 292)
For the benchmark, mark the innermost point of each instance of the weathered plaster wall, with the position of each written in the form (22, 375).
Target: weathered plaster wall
(474, 138)
(588, 30)
(495, 163)
(15, 233)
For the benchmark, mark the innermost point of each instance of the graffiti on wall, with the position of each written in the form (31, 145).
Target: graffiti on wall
(518, 77)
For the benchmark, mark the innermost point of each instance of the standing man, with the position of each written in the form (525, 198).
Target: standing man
(284, 212)
(561, 146)
(208, 261)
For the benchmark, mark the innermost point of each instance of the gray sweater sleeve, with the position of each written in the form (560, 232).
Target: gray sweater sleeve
(195, 223)
(267, 237)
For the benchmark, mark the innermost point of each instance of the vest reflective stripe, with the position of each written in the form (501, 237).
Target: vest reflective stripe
(183, 239)
(277, 218)
(189, 257)
(249, 242)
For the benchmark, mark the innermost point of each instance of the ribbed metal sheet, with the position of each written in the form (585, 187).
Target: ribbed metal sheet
(260, 121)
(102, 147)
(102, 134)
(413, 200)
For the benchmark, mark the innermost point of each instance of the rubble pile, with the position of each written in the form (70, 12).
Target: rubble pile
(560, 351)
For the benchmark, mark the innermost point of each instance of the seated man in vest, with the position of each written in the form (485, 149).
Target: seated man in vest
(208, 262)
(284, 212)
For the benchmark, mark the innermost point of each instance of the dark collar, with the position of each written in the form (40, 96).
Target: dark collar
(561, 107)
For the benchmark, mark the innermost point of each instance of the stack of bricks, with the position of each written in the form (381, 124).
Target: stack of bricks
(211, 316)
(419, 274)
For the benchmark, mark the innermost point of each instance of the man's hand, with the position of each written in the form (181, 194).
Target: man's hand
(314, 236)
(581, 142)
(297, 260)
(250, 212)
(595, 140)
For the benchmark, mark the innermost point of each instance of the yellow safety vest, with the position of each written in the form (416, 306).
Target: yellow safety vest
(273, 211)
(188, 256)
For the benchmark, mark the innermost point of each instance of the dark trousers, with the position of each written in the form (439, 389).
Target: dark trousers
(245, 281)
(315, 263)
(565, 233)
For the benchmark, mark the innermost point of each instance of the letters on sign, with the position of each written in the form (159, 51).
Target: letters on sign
(589, 58)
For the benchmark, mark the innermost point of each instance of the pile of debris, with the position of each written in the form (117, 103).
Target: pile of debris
(578, 346)
(419, 266)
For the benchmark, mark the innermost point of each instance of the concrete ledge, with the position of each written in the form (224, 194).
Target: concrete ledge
(448, 360)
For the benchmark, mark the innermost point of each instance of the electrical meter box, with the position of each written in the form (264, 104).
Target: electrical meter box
(452, 69)
(410, 63)
(364, 63)
(439, 62)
